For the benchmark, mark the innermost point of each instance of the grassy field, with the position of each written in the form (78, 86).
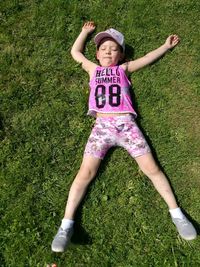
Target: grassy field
(122, 222)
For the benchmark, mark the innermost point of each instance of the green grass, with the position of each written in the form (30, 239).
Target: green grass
(122, 222)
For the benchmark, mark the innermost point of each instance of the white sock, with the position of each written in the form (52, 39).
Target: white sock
(177, 213)
(66, 224)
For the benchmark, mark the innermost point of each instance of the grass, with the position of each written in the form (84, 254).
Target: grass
(122, 222)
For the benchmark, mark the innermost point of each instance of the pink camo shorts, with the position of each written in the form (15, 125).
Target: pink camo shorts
(116, 131)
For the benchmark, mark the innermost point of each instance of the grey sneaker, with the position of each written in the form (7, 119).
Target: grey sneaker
(185, 228)
(61, 240)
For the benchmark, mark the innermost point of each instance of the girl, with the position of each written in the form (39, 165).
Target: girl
(110, 103)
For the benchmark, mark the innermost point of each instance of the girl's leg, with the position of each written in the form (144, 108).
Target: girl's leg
(77, 191)
(79, 186)
(149, 167)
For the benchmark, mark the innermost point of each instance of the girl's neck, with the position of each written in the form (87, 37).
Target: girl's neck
(109, 66)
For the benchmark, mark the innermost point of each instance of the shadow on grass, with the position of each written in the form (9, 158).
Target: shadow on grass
(81, 236)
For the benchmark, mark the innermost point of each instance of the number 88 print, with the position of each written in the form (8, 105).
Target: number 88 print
(114, 95)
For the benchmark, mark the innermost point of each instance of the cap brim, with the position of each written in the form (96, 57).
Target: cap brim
(100, 36)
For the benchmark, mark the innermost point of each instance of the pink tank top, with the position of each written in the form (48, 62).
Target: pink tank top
(109, 92)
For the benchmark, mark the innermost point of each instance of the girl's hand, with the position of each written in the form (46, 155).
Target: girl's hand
(89, 27)
(172, 41)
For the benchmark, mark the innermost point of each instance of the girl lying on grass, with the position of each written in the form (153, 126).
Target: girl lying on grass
(110, 103)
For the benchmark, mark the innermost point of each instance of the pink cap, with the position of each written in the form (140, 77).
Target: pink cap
(112, 33)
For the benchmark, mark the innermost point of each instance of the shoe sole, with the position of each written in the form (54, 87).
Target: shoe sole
(57, 250)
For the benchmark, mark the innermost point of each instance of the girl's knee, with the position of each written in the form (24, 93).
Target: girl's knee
(148, 165)
(86, 172)
(151, 170)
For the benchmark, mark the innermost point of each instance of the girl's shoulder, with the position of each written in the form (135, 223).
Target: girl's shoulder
(124, 66)
(91, 69)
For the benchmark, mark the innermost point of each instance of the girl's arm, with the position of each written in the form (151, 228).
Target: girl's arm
(78, 47)
(152, 56)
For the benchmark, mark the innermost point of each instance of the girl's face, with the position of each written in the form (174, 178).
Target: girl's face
(109, 53)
